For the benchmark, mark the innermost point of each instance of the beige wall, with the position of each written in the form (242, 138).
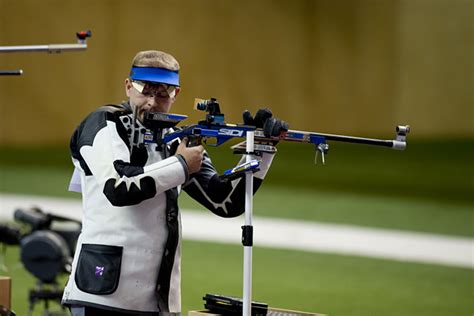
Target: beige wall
(349, 66)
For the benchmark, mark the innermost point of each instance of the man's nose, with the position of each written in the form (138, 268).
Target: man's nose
(151, 102)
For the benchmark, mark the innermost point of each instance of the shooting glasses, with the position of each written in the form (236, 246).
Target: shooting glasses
(161, 90)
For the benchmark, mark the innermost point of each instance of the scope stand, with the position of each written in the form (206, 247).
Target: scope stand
(247, 229)
(46, 293)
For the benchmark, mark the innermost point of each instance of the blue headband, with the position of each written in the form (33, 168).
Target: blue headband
(160, 75)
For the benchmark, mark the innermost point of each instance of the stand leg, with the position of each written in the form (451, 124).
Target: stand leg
(247, 234)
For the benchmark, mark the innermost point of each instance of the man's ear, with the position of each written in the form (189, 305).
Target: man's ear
(176, 92)
(128, 86)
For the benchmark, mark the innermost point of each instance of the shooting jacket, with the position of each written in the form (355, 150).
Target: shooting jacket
(128, 254)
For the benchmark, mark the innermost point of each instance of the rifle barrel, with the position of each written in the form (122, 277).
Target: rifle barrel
(18, 72)
(317, 138)
(358, 140)
(54, 48)
(395, 144)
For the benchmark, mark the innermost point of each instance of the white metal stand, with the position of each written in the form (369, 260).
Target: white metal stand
(247, 230)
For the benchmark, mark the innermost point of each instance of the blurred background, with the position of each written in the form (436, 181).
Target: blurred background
(337, 66)
(357, 67)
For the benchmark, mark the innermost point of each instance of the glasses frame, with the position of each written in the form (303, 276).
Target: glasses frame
(141, 87)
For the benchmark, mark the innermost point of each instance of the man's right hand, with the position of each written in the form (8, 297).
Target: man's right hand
(192, 155)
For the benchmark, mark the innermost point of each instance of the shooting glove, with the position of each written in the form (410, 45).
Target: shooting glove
(271, 127)
(264, 119)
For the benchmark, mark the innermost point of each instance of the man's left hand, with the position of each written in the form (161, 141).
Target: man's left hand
(264, 119)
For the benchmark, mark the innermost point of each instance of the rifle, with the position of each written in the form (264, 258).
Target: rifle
(214, 127)
(52, 48)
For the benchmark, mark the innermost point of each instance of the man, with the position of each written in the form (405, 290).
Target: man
(127, 260)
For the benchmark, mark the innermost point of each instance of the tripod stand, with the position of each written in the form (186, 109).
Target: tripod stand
(46, 292)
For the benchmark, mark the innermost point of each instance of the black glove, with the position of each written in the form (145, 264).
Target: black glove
(264, 119)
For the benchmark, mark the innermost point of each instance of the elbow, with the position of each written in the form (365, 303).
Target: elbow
(122, 196)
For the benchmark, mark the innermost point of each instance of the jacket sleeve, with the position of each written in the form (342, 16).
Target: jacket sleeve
(223, 198)
(103, 154)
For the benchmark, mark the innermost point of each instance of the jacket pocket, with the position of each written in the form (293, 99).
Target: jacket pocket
(98, 268)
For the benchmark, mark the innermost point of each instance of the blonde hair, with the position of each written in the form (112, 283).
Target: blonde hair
(155, 58)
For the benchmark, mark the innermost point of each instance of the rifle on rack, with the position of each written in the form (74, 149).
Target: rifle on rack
(51, 48)
(214, 127)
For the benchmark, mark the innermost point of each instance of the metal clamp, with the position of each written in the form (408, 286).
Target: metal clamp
(402, 131)
(322, 148)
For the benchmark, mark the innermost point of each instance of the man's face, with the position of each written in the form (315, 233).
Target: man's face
(149, 97)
